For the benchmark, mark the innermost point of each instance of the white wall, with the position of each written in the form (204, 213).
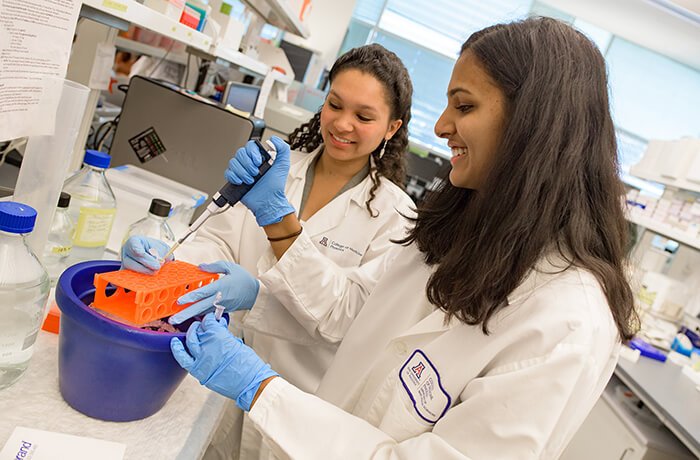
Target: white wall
(643, 23)
(327, 22)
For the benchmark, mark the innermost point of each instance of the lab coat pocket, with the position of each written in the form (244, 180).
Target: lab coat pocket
(401, 421)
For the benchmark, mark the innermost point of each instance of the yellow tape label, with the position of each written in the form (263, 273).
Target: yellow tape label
(115, 5)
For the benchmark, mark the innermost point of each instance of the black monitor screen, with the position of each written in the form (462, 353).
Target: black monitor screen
(298, 57)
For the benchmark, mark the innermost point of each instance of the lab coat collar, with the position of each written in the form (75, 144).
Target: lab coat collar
(332, 215)
(298, 170)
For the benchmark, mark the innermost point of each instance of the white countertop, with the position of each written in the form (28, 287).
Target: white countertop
(182, 429)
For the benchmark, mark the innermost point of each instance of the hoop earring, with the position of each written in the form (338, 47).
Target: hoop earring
(381, 152)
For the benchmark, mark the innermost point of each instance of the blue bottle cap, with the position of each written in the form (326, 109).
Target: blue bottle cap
(97, 159)
(16, 217)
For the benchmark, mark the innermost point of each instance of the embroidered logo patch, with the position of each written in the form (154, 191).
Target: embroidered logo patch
(421, 381)
(332, 244)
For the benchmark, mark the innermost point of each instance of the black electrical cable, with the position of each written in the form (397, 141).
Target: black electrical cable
(161, 59)
(187, 71)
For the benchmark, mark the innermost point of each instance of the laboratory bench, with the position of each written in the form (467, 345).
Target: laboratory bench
(660, 420)
(669, 394)
(181, 430)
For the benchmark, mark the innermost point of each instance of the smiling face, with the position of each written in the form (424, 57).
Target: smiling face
(473, 122)
(355, 117)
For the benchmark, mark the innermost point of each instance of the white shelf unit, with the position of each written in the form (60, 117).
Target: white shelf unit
(133, 46)
(678, 183)
(142, 16)
(665, 230)
(198, 43)
(279, 14)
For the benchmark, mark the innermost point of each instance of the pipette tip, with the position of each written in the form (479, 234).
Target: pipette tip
(154, 253)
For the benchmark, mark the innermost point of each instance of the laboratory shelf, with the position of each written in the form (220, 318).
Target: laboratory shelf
(678, 183)
(665, 230)
(230, 57)
(133, 46)
(237, 58)
(282, 78)
(279, 14)
(142, 16)
(121, 13)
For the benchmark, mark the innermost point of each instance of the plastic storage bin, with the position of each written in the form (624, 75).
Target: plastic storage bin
(108, 370)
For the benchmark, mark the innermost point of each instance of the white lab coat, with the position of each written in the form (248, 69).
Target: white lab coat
(342, 241)
(519, 393)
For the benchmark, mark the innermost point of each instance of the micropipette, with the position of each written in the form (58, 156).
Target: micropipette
(229, 195)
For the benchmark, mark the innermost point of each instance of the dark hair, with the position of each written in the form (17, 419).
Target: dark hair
(388, 69)
(554, 185)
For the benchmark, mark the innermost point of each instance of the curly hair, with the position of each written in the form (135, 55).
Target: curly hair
(555, 182)
(388, 69)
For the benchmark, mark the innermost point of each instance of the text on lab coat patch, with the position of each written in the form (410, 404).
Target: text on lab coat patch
(422, 382)
(338, 246)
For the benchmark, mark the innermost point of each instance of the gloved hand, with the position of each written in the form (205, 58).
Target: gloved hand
(266, 200)
(221, 361)
(238, 288)
(136, 256)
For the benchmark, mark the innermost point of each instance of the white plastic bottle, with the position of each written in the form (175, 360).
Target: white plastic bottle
(24, 288)
(155, 223)
(92, 207)
(60, 240)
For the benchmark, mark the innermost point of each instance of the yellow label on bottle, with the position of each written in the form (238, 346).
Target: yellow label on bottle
(61, 250)
(94, 225)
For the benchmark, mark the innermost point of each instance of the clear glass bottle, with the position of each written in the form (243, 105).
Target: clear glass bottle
(92, 207)
(24, 289)
(60, 240)
(155, 223)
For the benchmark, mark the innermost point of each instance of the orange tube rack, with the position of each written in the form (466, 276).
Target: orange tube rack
(141, 298)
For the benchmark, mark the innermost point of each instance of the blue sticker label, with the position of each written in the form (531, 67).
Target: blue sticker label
(422, 382)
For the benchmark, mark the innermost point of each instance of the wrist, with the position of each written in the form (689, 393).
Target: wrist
(287, 226)
(262, 386)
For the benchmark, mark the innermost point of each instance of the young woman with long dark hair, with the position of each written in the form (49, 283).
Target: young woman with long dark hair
(499, 322)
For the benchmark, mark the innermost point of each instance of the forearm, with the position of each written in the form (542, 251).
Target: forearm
(287, 226)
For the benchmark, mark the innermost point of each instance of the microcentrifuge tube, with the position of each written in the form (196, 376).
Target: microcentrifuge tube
(219, 308)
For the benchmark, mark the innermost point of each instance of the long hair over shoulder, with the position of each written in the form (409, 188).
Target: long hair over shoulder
(555, 182)
(387, 68)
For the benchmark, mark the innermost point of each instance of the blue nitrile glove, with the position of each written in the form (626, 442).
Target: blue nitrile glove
(136, 257)
(221, 361)
(266, 200)
(238, 288)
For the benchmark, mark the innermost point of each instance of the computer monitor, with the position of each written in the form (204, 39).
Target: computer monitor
(182, 136)
(241, 96)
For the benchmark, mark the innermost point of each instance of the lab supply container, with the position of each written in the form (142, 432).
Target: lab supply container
(60, 240)
(92, 207)
(106, 369)
(154, 225)
(24, 289)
